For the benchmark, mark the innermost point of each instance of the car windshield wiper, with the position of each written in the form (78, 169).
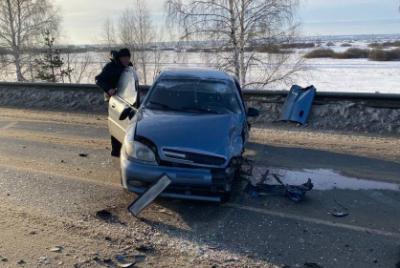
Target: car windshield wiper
(163, 106)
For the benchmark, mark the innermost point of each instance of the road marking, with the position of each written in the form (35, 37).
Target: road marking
(9, 125)
(315, 221)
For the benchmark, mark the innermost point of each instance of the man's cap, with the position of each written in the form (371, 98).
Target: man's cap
(124, 53)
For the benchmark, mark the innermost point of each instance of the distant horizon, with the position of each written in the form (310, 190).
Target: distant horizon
(339, 37)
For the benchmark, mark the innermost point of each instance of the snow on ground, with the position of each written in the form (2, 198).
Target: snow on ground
(354, 75)
(345, 75)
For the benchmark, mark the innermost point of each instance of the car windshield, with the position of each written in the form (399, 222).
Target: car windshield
(194, 96)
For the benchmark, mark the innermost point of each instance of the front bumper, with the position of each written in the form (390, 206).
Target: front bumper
(187, 183)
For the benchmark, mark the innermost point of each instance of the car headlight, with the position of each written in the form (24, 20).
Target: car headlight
(139, 151)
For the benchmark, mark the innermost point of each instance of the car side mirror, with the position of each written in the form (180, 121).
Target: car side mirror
(127, 112)
(252, 112)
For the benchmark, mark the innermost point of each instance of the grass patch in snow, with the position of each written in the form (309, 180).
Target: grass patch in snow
(356, 53)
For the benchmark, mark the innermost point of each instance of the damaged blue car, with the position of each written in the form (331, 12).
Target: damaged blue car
(192, 126)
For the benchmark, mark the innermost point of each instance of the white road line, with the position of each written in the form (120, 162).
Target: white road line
(9, 125)
(315, 221)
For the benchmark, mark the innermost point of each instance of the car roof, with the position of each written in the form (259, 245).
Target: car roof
(197, 73)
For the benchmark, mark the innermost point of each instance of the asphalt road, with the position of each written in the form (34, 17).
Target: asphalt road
(50, 195)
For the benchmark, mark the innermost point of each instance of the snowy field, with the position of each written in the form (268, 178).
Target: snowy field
(345, 75)
(354, 75)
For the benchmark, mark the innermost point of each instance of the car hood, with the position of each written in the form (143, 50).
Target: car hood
(213, 134)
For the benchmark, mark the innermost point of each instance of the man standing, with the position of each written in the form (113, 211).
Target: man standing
(109, 77)
(108, 80)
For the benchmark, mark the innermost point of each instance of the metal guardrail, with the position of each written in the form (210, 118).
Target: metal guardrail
(371, 99)
(327, 94)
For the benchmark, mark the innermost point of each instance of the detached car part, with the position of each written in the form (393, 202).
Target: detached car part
(298, 104)
(149, 196)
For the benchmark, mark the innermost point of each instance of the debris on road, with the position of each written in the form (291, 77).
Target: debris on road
(56, 249)
(259, 185)
(83, 155)
(295, 193)
(312, 265)
(108, 217)
(123, 262)
(145, 248)
(43, 260)
(104, 215)
(149, 196)
(341, 212)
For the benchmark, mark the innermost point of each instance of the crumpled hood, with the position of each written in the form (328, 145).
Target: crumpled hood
(219, 134)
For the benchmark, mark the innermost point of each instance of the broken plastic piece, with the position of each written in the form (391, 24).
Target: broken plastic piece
(294, 193)
(298, 104)
(149, 196)
(56, 249)
(339, 214)
(121, 261)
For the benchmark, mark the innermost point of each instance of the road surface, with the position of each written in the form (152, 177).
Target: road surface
(50, 196)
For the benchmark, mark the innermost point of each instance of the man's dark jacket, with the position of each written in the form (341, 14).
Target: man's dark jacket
(109, 76)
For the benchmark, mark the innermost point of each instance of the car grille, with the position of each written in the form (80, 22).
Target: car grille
(194, 158)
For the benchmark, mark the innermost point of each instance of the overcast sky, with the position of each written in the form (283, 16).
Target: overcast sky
(83, 19)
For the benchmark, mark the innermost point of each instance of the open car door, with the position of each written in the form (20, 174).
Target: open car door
(124, 104)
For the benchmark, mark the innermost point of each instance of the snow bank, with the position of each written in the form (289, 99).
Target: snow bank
(342, 115)
(59, 98)
(327, 113)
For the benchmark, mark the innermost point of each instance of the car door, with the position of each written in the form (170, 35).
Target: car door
(126, 98)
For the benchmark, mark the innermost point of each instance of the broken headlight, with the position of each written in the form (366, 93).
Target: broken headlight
(138, 151)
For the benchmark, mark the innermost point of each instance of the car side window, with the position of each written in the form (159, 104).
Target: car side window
(128, 86)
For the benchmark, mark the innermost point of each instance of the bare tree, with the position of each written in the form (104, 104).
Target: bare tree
(109, 34)
(157, 58)
(127, 32)
(138, 33)
(234, 27)
(21, 22)
(3, 65)
(80, 66)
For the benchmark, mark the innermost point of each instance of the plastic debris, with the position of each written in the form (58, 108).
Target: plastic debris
(104, 215)
(145, 248)
(121, 261)
(298, 104)
(149, 196)
(341, 212)
(312, 265)
(56, 249)
(260, 186)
